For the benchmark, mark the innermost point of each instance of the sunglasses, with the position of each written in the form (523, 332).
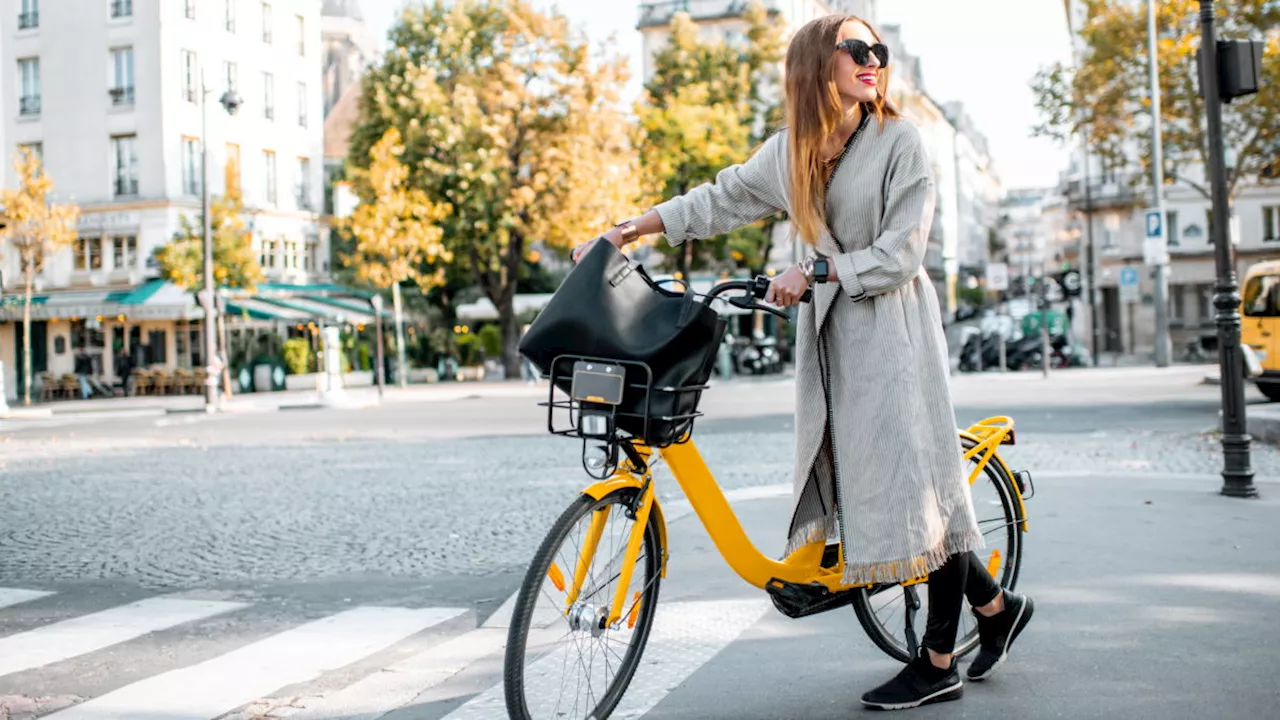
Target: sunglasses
(861, 52)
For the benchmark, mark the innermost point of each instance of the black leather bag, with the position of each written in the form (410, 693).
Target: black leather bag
(607, 307)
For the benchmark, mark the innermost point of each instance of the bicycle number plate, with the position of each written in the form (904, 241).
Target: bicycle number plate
(597, 382)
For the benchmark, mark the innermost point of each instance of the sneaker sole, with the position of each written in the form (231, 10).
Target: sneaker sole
(952, 692)
(1020, 622)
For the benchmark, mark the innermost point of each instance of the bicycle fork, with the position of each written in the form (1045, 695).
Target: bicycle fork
(644, 506)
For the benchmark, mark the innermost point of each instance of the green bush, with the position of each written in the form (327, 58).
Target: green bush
(468, 349)
(490, 340)
(362, 350)
(297, 356)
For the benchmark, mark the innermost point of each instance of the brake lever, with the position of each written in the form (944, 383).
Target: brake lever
(747, 303)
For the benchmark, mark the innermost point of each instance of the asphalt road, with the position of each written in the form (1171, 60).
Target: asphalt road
(290, 517)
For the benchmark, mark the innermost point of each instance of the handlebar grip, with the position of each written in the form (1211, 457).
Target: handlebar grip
(760, 287)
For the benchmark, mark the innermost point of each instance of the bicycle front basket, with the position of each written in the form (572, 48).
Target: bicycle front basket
(608, 307)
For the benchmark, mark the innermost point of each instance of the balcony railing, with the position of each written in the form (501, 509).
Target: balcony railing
(121, 8)
(28, 20)
(269, 112)
(302, 196)
(121, 95)
(1116, 191)
(126, 187)
(657, 14)
(29, 105)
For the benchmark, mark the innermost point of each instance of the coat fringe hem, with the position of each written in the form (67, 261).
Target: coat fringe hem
(809, 533)
(895, 571)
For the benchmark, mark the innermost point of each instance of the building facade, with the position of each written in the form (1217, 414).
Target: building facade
(1107, 206)
(117, 97)
(978, 193)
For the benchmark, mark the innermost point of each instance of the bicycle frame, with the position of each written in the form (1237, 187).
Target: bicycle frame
(712, 508)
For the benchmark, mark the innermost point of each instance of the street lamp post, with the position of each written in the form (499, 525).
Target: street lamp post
(231, 103)
(376, 301)
(1237, 474)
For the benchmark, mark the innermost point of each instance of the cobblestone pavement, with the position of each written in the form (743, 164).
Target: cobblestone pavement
(186, 515)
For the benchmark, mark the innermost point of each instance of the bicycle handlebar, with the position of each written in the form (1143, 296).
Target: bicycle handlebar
(756, 289)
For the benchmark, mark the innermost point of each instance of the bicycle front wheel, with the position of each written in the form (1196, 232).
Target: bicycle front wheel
(882, 609)
(563, 659)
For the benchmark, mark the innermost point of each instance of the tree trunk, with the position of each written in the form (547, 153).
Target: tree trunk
(26, 335)
(510, 326)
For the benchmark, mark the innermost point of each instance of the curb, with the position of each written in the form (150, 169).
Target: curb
(1265, 428)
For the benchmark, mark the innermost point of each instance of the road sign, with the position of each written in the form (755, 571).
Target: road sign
(997, 276)
(1128, 284)
(1155, 251)
(1071, 283)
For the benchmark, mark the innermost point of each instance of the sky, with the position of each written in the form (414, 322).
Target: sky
(984, 54)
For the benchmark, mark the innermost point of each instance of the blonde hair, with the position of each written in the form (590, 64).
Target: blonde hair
(814, 111)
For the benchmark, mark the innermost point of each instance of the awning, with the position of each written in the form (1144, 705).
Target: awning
(483, 309)
(255, 308)
(153, 300)
(320, 310)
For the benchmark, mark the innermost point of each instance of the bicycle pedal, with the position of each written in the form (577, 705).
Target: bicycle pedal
(797, 601)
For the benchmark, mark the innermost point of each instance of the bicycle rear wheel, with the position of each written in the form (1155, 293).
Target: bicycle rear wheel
(562, 661)
(881, 610)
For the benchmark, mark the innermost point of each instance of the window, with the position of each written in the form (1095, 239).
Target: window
(88, 253)
(124, 254)
(121, 8)
(1171, 227)
(302, 35)
(29, 16)
(1270, 222)
(190, 166)
(304, 184)
(309, 259)
(230, 70)
(122, 76)
(190, 9)
(266, 23)
(269, 166)
(29, 72)
(268, 96)
(302, 104)
(157, 347)
(230, 15)
(125, 154)
(268, 257)
(189, 75)
(1262, 296)
(233, 168)
(36, 149)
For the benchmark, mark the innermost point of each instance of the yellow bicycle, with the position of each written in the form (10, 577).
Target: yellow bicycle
(585, 610)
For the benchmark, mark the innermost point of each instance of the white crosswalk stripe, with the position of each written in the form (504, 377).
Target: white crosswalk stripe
(283, 675)
(684, 637)
(222, 684)
(17, 596)
(77, 636)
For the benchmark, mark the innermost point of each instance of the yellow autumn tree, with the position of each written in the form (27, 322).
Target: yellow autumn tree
(508, 118)
(37, 229)
(395, 232)
(396, 227)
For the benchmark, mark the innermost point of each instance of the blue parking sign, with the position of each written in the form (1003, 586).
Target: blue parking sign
(1154, 224)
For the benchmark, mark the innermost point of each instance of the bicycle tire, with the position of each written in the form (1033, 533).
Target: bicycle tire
(522, 615)
(897, 648)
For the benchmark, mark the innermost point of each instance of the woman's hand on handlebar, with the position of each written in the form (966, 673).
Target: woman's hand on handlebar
(785, 290)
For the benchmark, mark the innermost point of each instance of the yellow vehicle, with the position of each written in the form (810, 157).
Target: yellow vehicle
(590, 596)
(1260, 323)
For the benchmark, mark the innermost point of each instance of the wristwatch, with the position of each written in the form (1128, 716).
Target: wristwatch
(816, 270)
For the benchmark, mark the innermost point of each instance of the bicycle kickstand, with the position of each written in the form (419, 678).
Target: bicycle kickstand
(912, 602)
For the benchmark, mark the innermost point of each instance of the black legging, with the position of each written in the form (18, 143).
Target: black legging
(961, 576)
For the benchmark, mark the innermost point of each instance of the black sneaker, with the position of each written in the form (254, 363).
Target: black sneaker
(996, 634)
(919, 683)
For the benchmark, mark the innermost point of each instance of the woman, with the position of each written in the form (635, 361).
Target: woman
(877, 455)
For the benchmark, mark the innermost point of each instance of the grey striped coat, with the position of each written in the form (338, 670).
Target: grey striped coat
(891, 480)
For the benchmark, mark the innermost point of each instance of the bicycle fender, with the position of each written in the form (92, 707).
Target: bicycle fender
(1017, 492)
(599, 490)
